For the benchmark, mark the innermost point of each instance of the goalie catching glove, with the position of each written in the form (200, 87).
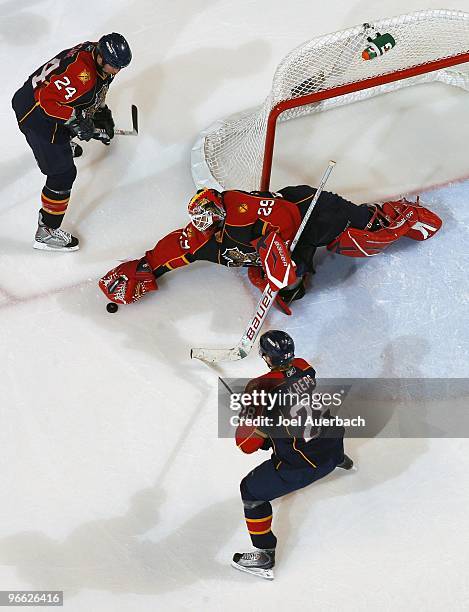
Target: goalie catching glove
(390, 221)
(128, 282)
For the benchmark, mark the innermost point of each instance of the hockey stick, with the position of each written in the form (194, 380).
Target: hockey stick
(265, 303)
(134, 130)
(101, 134)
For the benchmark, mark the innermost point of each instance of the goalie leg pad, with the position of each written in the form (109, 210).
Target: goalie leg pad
(426, 226)
(128, 282)
(422, 223)
(354, 242)
(403, 219)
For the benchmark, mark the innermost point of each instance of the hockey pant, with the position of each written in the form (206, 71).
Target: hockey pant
(266, 483)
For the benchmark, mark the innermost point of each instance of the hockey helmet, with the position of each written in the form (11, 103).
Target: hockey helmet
(206, 209)
(278, 346)
(114, 50)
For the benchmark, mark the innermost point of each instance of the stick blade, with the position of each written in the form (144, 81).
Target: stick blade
(216, 355)
(135, 119)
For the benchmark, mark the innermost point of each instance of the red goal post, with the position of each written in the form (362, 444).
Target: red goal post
(331, 71)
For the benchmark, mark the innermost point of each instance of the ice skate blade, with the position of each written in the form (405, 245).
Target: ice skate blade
(349, 470)
(44, 247)
(267, 574)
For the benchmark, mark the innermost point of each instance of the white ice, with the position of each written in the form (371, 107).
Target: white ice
(114, 486)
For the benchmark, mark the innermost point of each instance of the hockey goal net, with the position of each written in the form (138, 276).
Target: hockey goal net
(327, 72)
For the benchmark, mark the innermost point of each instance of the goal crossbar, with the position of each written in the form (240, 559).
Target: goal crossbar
(329, 71)
(341, 90)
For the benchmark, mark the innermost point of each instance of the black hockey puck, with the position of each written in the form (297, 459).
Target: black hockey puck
(112, 307)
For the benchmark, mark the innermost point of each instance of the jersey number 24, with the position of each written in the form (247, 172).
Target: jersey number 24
(46, 70)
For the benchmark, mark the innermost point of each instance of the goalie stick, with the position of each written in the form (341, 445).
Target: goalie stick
(265, 303)
(119, 132)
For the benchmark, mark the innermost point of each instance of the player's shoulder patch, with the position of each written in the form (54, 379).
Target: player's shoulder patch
(83, 68)
(84, 76)
(241, 210)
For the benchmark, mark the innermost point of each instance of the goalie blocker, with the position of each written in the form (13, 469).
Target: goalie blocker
(254, 230)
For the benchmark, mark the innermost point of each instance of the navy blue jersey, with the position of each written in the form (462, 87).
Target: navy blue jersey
(290, 420)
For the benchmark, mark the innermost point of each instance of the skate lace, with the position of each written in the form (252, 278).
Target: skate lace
(379, 220)
(61, 234)
(252, 556)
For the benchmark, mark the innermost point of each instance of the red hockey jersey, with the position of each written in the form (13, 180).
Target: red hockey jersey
(248, 217)
(71, 80)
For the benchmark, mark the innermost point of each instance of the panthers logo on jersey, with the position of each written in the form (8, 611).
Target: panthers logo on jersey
(236, 258)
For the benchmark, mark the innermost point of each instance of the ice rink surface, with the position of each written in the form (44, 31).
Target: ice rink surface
(114, 486)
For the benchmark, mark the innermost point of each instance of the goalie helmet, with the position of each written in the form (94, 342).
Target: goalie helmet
(206, 209)
(278, 346)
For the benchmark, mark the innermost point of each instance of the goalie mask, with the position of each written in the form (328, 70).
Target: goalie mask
(206, 209)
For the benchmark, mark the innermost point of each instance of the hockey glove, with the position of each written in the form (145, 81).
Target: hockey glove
(102, 136)
(81, 127)
(103, 120)
(128, 282)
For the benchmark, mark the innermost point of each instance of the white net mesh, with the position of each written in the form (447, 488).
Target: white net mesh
(229, 154)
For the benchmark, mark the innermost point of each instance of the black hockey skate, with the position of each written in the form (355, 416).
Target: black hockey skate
(347, 463)
(259, 562)
(77, 150)
(50, 239)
